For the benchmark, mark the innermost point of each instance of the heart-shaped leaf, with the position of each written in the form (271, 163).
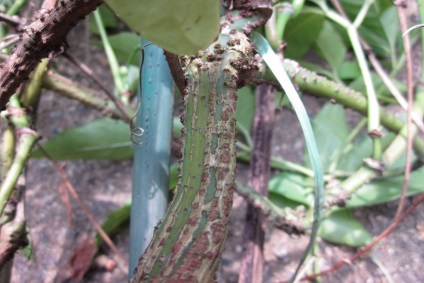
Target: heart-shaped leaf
(181, 27)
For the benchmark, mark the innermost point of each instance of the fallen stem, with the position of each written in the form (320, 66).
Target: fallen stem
(408, 54)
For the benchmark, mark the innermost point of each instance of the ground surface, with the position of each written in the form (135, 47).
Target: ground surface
(104, 186)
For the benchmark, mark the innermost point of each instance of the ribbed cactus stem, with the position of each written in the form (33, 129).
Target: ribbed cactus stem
(188, 243)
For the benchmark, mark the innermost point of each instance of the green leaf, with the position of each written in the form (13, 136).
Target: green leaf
(340, 227)
(124, 44)
(282, 202)
(302, 31)
(387, 189)
(361, 148)
(331, 132)
(330, 46)
(349, 70)
(390, 26)
(292, 187)
(181, 27)
(100, 139)
(245, 107)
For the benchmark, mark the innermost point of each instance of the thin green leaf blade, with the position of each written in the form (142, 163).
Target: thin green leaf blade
(274, 63)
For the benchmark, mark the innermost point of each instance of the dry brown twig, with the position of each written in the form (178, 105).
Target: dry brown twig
(86, 70)
(408, 54)
(46, 34)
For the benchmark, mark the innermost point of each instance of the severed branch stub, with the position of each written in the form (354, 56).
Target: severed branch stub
(46, 34)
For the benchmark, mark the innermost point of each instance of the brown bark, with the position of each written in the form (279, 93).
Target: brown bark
(254, 230)
(46, 34)
(176, 71)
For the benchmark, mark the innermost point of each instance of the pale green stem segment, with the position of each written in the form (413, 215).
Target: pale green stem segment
(274, 63)
(187, 245)
(7, 151)
(373, 106)
(320, 86)
(27, 140)
(111, 57)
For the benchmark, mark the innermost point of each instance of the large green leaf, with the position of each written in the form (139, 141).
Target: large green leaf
(331, 132)
(340, 227)
(101, 139)
(181, 27)
(331, 47)
(390, 26)
(387, 189)
(353, 158)
(302, 31)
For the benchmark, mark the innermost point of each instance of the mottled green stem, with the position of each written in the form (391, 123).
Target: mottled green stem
(187, 245)
(314, 84)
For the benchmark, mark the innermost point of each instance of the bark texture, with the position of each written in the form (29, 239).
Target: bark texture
(46, 34)
(254, 230)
